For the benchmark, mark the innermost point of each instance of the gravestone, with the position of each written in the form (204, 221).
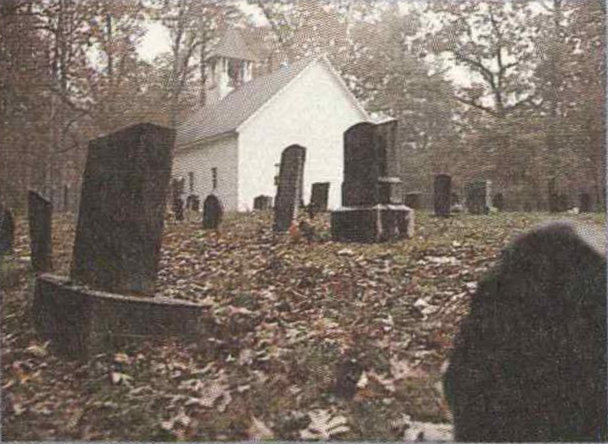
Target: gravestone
(262, 203)
(120, 223)
(529, 362)
(478, 197)
(585, 205)
(7, 231)
(40, 218)
(413, 199)
(178, 208)
(319, 196)
(372, 197)
(289, 190)
(212, 212)
(563, 203)
(193, 203)
(553, 199)
(117, 249)
(498, 201)
(442, 195)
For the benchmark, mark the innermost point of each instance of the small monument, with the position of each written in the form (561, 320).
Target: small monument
(498, 202)
(478, 197)
(585, 205)
(178, 208)
(116, 252)
(289, 190)
(442, 190)
(372, 206)
(40, 218)
(529, 362)
(7, 231)
(319, 196)
(262, 203)
(212, 212)
(413, 199)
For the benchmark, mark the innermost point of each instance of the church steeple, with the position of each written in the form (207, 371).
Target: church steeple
(230, 65)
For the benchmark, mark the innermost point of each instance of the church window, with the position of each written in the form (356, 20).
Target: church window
(214, 178)
(191, 181)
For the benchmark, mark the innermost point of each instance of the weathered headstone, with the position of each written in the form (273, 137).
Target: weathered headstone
(319, 196)
(478, 197)
(120, 223)
(193, 203)
(529, 363)
(413, 199)
(563, 203)
(553, 197)
(213, 212)
(116, 253)
(7, 231)
(289, 190)
(40, 218)
(178, 208)
(498, 201)
(585, 204)
(262, 202)
(372, 198)
(442, 195)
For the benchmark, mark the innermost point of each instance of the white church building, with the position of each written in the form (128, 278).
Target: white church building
(232, 146)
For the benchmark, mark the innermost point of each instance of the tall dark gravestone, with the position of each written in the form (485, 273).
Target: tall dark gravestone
(262, 202)
(7, 231)
(478, 197)
(120, 223)
(442, 190)
(319, 196)
(289, 190)
(372, 197)
(585, 205)
(529, 362)
(116, 253)
(212, 212)
(40, 218)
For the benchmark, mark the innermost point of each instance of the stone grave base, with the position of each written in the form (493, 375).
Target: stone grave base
(372, 224)
(81, 322)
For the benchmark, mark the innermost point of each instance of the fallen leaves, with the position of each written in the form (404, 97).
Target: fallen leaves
(283, 314)
(324, 425)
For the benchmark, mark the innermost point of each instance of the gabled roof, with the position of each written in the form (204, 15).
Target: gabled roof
(241, 104)
(232, 45)
(226, 115)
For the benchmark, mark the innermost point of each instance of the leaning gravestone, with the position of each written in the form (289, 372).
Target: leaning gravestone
(120, 223)
(289, 190)
(585, 205)
(262, 203)
(319, 196)
(372, 198)
(529, 363)
(7, 231)
(116, 252)
(40, 218)
(478, 197)
(212, 213)
(442, 195)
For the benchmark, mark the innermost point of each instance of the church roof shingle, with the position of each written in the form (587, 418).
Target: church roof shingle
(229, 113)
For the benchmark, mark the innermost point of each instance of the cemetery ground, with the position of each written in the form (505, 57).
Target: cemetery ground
(285, 319)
